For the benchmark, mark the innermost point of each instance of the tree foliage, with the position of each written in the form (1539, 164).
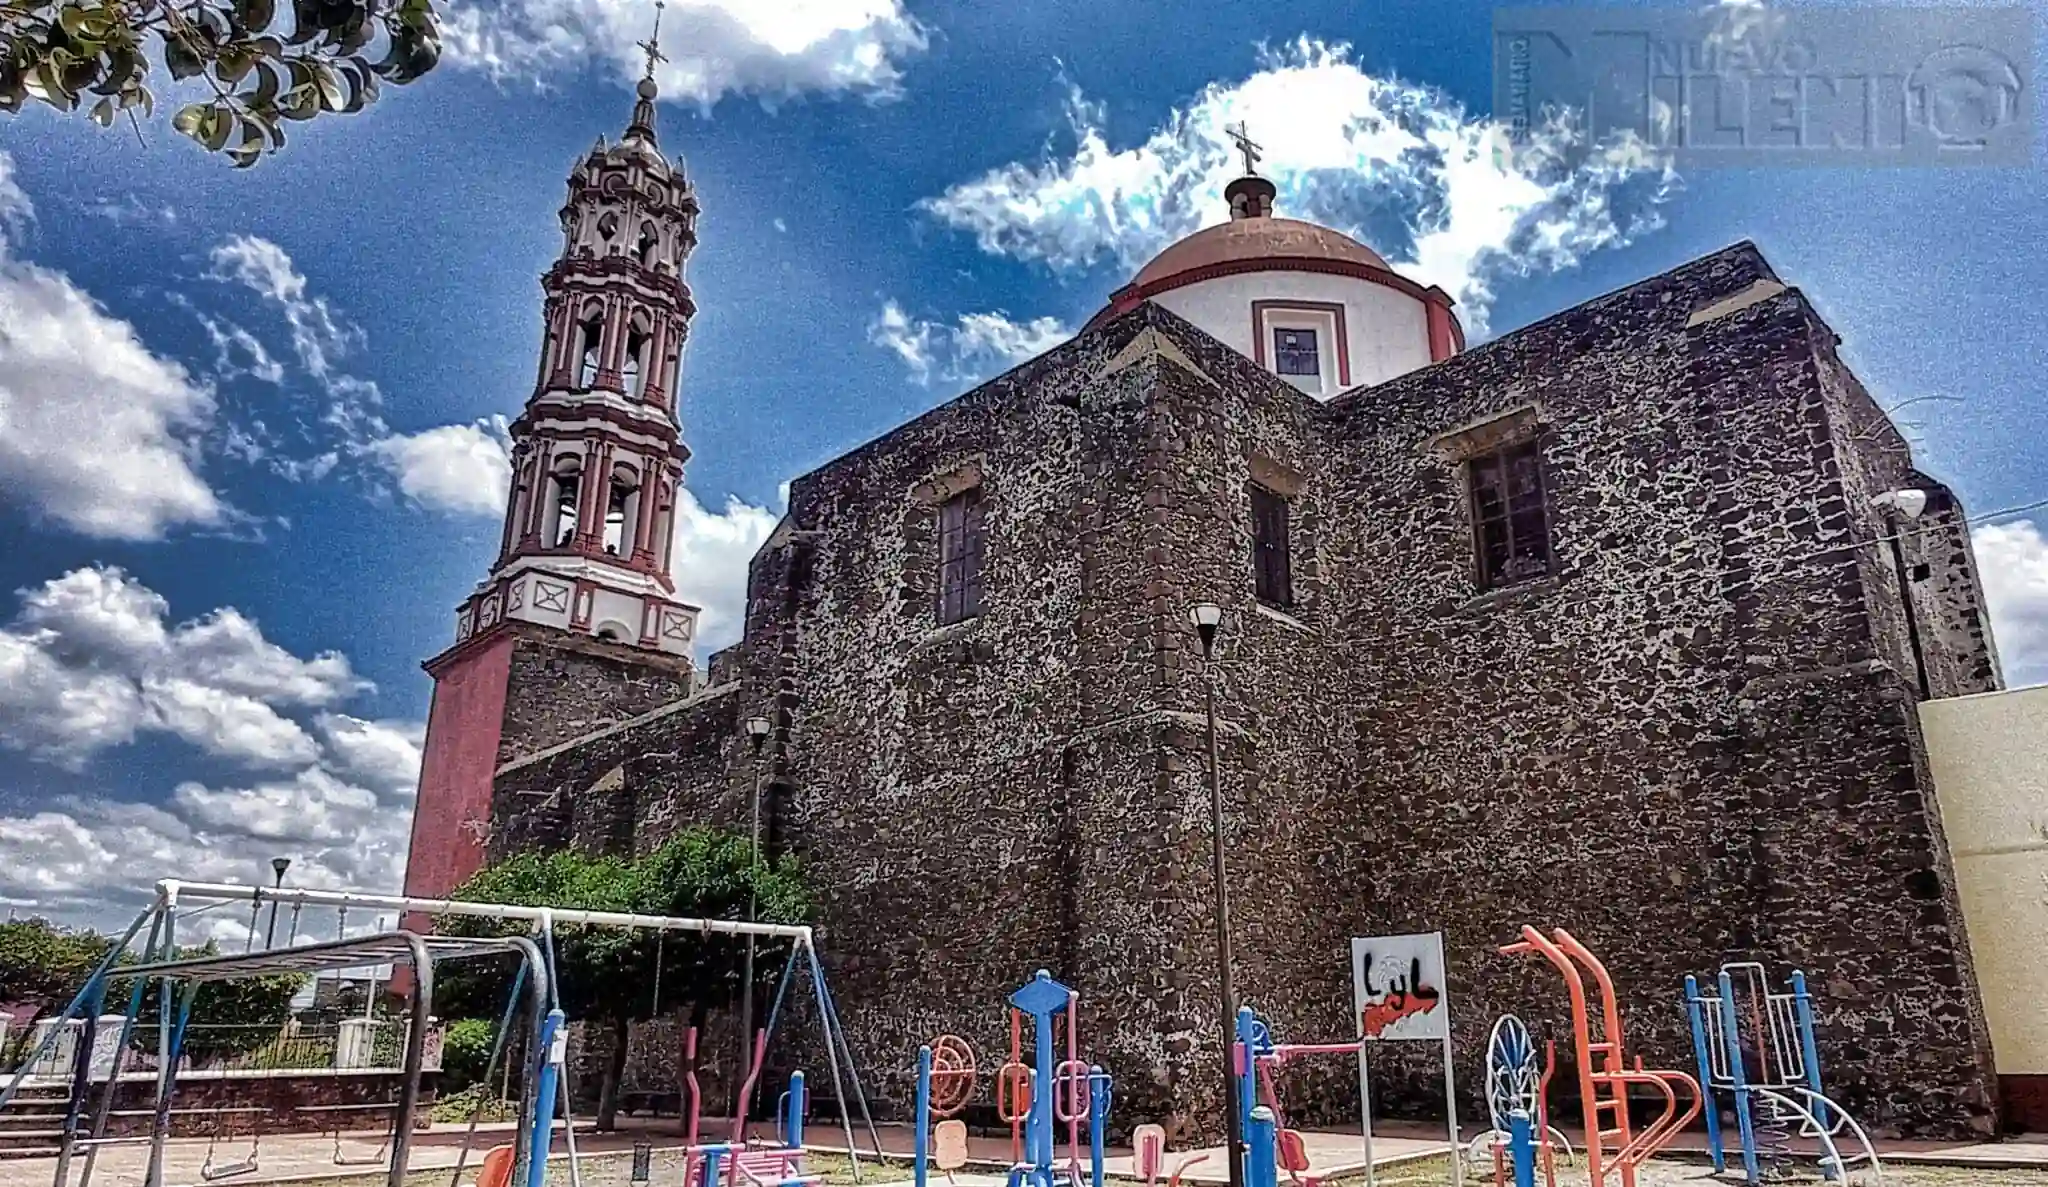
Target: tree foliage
(607, 973)
(44, 966)
(66, 52)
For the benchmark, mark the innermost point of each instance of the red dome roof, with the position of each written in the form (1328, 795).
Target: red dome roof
(1247, 239)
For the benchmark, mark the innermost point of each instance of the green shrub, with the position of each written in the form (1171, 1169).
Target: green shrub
(465, 1053)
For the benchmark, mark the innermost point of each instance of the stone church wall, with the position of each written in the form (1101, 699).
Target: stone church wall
(1693, 743)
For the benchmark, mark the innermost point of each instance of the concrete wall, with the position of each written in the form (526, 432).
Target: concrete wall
(1990, 759)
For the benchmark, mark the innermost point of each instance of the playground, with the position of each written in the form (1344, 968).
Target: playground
(1750, 1108)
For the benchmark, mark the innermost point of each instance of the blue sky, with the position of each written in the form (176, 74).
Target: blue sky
(249, 420)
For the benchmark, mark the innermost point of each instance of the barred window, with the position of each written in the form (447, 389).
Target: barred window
(1294, 353)
(1272, 577)
(960, 549)
(1510, 515)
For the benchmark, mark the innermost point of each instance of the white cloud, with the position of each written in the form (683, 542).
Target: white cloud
(461, 468)
(93, 861)
(312, 806)
(97, 434)
(91, 660)
(97, 652)
(2012, 560)
(769, 48)
(710, 555)
(226, 724)
(1401, 166)
(384, 754)
(974, 345)
(320, 336)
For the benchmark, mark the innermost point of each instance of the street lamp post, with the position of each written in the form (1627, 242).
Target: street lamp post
(278, 865)
(1206, 619)
(1902, 507)
(757, 737)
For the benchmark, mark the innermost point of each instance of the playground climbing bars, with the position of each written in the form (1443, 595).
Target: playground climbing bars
(1605, 1075)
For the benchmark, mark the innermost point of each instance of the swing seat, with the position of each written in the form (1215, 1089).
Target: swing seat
(211, 1173)
(1292, 1152)
(773, 1168)
(497, 1167)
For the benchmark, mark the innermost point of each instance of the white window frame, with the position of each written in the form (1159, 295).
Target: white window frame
(1324, 383)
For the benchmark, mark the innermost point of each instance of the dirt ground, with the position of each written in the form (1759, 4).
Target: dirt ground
(615, 1170)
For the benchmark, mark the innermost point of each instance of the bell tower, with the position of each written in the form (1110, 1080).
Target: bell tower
(577, 625)
(597, 454)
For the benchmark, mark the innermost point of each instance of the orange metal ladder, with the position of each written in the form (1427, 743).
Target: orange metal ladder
(1604, 1072)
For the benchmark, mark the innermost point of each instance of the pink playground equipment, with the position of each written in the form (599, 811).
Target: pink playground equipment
(1148, 1156)
(1605, 1076)
(737, 1161)
(1257, 1059)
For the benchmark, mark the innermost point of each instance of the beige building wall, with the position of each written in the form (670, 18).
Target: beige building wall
(1990, 758)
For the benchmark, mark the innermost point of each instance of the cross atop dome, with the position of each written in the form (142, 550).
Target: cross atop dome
(1250, 196)
(1241, 134)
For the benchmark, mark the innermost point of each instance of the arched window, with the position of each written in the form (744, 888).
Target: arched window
(620, 513)
(608, 226)
(590, 334)
(568, 484)
(637, 342)
(649, 244)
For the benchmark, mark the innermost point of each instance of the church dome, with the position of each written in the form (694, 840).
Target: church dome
(1316, 307)
(1243, 244)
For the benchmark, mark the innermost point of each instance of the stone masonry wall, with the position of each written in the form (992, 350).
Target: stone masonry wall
(563, 686)
(1693, 743)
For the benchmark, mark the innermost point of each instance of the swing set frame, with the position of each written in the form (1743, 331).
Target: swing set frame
(420, 952)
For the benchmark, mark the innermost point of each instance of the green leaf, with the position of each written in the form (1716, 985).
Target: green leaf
(103, 113)
(305, 21)
(190, 120)
(355, 34)
(265, 94)
(255, 15)
(47, 84)
(219, 126)
(80, 22)
(332, 95)
(121, 64)
(250, 150)
(183, 60)
(233, 64)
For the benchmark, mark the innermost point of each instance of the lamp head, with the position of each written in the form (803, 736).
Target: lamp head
(278, 865)
(757, 732)
(1206, 617)
(1909, 502)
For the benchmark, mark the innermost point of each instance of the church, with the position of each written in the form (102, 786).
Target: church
(1597, 624)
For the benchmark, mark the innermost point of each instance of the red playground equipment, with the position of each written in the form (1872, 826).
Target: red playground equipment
(1605, 1076)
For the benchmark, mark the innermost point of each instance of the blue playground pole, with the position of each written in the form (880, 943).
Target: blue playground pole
(1261, 1168)
(1247, 1067)
(1738, 1078)
(1699, 1053)
(1522, 1147)
(924, 1113)
(1041, 998)
(543, 1137)
(1802, 1007)
(1098, 1112)
(793, 1124)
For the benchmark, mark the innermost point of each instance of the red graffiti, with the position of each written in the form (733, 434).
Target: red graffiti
(1380, 1015)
